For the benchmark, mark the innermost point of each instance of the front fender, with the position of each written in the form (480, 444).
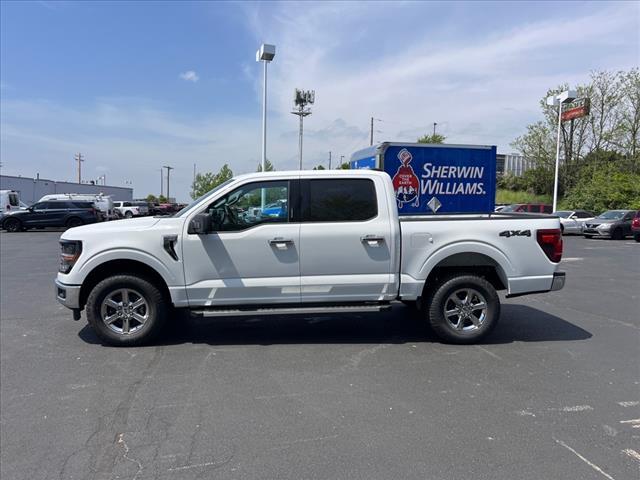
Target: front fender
(77, 276)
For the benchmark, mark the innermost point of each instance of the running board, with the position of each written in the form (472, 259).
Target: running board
(301, 310)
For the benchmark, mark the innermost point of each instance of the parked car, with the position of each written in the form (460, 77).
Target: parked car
(528, 208)
(127, 209)
(143, 207)
(103, 203)
(635, 227)
(615, 224)
(337, 249)
(572, 221)
(52, 213)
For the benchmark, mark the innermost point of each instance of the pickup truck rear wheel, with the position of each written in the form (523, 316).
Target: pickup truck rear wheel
(463, 309)
(126, 310)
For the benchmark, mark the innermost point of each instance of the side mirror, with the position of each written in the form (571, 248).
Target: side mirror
(30, 209)
(200, 224)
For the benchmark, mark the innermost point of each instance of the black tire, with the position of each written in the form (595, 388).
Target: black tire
(617, 234)
(12, 225)
(469, 331)
(156, 309)
(636, 237)
(128, 214)
(73, 222)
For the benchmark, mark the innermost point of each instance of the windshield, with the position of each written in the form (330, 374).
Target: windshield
(563, 214)
(179, 213)
(612, 215)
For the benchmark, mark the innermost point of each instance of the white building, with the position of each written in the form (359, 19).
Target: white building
(33, 189)
(512, 163)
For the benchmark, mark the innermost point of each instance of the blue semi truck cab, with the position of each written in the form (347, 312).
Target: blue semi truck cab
(435, 178)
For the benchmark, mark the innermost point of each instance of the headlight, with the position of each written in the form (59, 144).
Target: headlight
(605, 226)
(70, 251)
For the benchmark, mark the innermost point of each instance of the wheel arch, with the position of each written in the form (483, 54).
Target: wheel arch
(119, 267)
(467, 263)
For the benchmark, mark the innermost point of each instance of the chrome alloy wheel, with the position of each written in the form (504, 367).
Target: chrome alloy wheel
(465, 309)
(124, 311)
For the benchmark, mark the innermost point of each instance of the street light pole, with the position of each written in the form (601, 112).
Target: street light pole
(168, 176)
(265, 54)
(567, 96)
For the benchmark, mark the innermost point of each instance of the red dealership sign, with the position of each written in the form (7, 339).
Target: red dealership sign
(579, 109)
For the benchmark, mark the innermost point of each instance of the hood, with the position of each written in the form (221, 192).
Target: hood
(114, 226)
(600, 221)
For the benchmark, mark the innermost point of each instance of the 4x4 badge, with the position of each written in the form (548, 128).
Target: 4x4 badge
(515, 233)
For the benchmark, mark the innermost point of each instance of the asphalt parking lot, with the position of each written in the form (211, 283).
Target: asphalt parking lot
(554, 393)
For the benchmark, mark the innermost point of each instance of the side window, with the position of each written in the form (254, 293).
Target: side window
(39, 206)
(13, 200)
(629, 216)
(250, 205)
(334, 200)
(584, 215)
(546, 209)
(127, 204)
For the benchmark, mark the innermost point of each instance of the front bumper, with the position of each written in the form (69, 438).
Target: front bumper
(596, 231)
(68, 295)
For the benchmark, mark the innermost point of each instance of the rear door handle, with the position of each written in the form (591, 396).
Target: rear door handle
(372, 240)
(280, 243)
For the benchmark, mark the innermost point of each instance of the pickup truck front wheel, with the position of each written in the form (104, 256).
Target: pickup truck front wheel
(126, 310)
(463, 309)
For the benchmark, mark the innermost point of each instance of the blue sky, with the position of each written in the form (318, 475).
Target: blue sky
(134, 86)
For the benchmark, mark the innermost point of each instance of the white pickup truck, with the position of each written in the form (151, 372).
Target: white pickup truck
(304, 242)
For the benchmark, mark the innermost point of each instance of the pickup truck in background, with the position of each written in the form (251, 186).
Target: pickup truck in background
(339, 247)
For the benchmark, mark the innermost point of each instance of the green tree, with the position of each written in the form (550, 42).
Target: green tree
(319, 167)
(344, 166)
(433, 138)
(205, 182)
(268, 166)
(162, 199)
(152, 198)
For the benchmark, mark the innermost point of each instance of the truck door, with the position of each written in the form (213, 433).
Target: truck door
(253, 256)
(345, 239)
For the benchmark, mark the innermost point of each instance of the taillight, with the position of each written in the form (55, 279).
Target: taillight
(636, 222)
(551, 243)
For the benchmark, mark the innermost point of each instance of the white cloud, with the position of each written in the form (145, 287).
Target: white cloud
(190, 76)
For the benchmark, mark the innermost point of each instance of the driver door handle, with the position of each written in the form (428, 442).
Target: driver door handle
(372, 240)
(280, 243)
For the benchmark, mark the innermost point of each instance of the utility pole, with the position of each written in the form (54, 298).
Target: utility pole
(194, 173)
(341, 160)
(329, 159)
(161, 181)
(78, 158)
(168, 176)
(371, 137)
(302, 98)
(434, 128)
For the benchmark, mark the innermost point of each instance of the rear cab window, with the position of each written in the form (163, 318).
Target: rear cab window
(339, 200)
